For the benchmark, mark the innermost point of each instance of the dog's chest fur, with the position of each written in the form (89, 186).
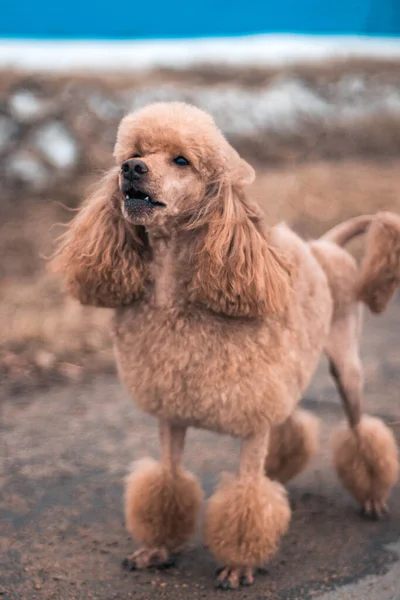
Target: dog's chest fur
(185, 364)
(163, 274)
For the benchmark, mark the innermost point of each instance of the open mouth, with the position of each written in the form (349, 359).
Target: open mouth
(135, 199)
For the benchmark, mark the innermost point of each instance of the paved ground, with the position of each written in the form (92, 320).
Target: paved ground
(63, 456)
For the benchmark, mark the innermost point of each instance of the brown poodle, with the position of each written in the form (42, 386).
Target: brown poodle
(219, 324)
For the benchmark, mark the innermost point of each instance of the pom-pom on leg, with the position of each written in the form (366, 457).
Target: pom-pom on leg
(292, 445)
(365, 451)
(162, 502)
(246, 518)
(161, 511)
(367, 463)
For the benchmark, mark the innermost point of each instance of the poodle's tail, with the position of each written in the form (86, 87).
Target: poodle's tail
(379, 274)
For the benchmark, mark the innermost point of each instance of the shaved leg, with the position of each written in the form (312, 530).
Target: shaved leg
(172, 442)
(345, 364)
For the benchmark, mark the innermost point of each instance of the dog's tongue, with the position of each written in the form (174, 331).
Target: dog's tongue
(136, 207)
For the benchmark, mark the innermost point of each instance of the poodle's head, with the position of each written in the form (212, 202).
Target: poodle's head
(171, 156)
(176, 172)
(177, 168)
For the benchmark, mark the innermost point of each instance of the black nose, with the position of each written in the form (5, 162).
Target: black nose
(133, 169)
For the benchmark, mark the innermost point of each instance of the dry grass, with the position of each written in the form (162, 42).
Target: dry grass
(318, 73)
(315, 74)
(374, 137)
(315, 196)
(45, 336)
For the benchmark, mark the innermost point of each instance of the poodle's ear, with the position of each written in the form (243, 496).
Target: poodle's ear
(101, 256)
(239, 172)
(234, 269)
(244, 174)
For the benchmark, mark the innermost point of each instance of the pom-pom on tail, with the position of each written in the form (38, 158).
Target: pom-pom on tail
(380, 269)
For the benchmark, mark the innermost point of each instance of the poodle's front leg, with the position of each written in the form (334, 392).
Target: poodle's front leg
(162, 503)
(246, 517)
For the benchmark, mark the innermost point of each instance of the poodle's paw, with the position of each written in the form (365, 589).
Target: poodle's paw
(375, 510)
(230, 578)
(145, 558)
(366, 460)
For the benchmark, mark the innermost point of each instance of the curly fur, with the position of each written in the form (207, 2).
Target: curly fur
(380, 270)
(245, 520)
(235, 270)
(366, 459)
(161, 508)
(379, 276)
(102, 256)
(292, 445)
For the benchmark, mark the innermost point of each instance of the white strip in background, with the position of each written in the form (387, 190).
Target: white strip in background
(125, 56)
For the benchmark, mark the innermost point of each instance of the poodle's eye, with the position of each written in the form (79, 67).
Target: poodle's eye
(181, 161)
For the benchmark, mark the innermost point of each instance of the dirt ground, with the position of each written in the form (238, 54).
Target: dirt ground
(64, 455)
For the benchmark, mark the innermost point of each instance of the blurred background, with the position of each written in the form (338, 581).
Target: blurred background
(308, 92)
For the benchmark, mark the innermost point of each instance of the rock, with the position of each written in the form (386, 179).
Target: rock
(57, 144)
(104, 108)
(25, 167)
(26, 106)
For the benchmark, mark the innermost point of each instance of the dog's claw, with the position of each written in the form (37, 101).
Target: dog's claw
(231, 578)
(375, 510)
(148, 558)
(128, 564)
(167, 564)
